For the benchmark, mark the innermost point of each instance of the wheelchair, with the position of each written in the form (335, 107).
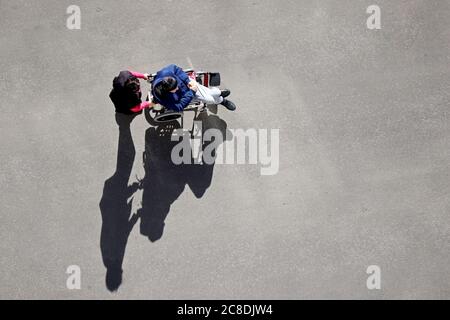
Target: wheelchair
(164, 115)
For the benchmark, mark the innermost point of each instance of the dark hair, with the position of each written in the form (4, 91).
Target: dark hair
(165, 86)
(133, 85)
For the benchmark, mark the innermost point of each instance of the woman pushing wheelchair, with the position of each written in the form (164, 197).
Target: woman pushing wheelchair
(171, 87)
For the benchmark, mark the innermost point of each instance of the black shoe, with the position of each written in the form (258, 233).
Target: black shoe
(228, 104)
(225, 93)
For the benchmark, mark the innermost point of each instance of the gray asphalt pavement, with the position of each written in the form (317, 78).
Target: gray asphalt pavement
(364, 176)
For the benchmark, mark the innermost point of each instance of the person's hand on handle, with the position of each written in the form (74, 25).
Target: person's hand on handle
(147, 105)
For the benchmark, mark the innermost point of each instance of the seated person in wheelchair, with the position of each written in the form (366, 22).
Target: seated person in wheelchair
(173, 89)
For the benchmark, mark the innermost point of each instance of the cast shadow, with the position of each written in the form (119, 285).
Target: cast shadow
(162, 184)
(165, 181)
(115, 206)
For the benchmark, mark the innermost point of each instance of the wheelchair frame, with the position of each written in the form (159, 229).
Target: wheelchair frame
(163, 115)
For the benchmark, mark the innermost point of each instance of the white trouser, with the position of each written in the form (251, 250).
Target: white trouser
(208, 95)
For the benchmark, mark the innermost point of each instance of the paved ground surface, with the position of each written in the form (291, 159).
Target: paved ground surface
(364, 173)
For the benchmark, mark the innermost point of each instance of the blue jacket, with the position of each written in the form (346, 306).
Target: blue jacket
(175, 101)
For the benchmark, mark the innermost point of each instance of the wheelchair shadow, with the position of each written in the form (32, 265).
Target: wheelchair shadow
(115, 206)
(164, 181)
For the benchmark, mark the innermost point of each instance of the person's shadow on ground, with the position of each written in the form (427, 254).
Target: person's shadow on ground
(165, 181)
(162, 184)
(115, 206)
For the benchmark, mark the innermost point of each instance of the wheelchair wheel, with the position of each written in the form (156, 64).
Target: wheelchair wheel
(168, 116)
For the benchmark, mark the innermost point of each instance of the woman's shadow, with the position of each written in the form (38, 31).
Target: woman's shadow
(115, 206)
(162, 184)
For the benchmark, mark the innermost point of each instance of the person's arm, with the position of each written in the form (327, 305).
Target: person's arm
(139, 75)
(141, 106)
(184, 102)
